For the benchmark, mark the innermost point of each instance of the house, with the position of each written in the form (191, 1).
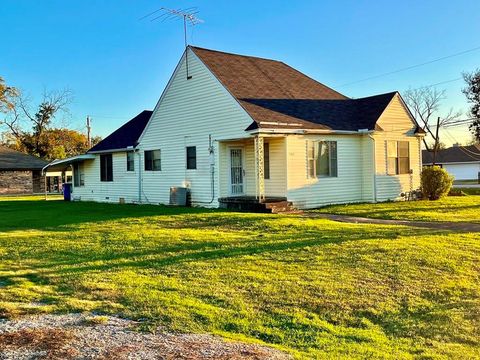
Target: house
(463, 162)
(20, 173)
(240, 128)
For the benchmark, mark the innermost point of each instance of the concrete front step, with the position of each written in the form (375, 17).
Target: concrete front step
(250, 205)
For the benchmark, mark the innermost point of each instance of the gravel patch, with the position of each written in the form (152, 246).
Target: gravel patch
(80, 336)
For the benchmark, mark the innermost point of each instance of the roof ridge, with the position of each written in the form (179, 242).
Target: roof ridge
(272, 60)
(321, 83)
(234, 54)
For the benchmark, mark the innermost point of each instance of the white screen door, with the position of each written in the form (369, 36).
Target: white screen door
(236, 171)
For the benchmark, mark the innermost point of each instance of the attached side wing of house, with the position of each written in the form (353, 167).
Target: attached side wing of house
(396, 139)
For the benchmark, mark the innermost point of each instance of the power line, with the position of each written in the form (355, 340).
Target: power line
(459, 122)
(461, 148)
(412, 66)
(439, 83)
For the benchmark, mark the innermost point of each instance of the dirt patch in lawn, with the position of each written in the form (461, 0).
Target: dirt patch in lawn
(76, 336)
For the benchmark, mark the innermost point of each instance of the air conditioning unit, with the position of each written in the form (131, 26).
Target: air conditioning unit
(178, 196)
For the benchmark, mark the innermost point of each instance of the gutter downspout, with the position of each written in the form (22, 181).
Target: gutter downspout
(139, 175)
(374, 170)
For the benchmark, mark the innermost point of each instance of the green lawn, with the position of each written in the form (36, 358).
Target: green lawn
(452, 208)
(314, 288)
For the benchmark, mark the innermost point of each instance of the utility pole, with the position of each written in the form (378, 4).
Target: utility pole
(437, 142)
(89, 128)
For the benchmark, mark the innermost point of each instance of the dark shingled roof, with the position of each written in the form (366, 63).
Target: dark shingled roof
(15, 160)
(349, 114)
(454, 154)
(279, 96)
(125, 136)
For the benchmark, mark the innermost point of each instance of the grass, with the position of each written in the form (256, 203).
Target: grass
(452, 208)
(312, 287)
(469, 191)
(466, 182)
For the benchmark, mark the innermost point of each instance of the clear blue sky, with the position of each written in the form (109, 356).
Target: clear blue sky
(117, 66)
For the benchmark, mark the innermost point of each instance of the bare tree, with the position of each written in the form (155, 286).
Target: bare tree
(19, 113)
(425, 105)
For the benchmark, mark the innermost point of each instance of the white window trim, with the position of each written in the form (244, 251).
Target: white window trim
(315, 144)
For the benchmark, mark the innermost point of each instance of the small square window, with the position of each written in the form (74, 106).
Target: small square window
(153, 160)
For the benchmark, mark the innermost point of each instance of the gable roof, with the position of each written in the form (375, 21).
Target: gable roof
(276, 95)
(126, 135)
(15, 160)
(454, 154)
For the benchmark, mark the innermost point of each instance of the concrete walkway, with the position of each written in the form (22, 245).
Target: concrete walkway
(444, 225)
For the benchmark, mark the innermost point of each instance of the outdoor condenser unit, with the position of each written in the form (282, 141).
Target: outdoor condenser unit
(178, 196)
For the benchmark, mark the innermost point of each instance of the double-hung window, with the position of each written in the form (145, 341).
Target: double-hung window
(78, 175)
(106, 167)
(191, 153)
(153, 161)
(398, 157)
(130, 161)
(322, 159)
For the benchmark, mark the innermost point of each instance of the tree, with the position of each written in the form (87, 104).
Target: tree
(7, 96)
(33, 131)
(425, 104)
(56, 143)
(472, 92)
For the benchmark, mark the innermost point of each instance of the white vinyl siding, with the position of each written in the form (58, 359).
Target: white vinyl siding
(307, 192)
(124, 184)
(188, 112)
(275, 186)
(396, 126)
(463, 171)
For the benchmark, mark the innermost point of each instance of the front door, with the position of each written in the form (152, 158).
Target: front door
(236, 171)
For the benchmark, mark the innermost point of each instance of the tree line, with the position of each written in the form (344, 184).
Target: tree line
(39, 129)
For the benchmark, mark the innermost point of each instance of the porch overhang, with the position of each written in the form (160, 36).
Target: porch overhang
(63, 164)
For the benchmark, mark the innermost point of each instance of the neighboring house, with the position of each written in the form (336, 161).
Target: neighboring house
(463, 162)
(240, 127)
(20, 173)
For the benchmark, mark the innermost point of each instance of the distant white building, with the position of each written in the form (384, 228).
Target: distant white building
(235, 128)
(463, 162)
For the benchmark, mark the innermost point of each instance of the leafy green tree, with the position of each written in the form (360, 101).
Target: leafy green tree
(472, 92)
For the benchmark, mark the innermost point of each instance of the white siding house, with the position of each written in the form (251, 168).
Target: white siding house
(462, 162)
(243, 128)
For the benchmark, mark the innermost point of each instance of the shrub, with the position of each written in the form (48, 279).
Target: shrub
(435, 182)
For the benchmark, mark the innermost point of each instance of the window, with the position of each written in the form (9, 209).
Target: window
(191, 157)
(398, 157)
(106, 167)
(322, 159)
(130, 161)
(266, 161)
(153, 160)
(78, 175)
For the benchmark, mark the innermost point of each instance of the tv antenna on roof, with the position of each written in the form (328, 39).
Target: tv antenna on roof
(189, 16)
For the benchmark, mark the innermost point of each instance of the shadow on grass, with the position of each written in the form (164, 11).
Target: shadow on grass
(47, 215)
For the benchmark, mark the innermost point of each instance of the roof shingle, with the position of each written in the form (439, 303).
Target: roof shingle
(15, 160)
(280, 96)
(453, 154)
(126, 135)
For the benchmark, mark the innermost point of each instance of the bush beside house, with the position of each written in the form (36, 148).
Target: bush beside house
(435, 182)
